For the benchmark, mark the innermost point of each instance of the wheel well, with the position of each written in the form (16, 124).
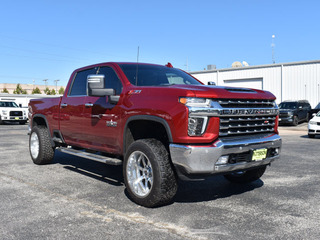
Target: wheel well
(142, 129)
(39, 121)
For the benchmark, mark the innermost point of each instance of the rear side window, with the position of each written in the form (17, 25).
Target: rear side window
(79, 85)
(111, 79)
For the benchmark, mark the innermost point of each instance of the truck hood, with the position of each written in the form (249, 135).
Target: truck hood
(203, 91)
(12, 109)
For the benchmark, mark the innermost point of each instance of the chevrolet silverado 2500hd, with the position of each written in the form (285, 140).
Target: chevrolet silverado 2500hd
(160, 123)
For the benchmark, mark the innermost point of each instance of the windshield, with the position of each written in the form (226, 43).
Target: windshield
(8, 104)
(288, 105)
(152, 75)
(318, 106)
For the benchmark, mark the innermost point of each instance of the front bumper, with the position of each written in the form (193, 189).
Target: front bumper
(192, 160)
(286, 119)
(14, 118)
(313, 129)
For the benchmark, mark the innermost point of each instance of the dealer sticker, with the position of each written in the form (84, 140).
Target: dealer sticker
(259, 154)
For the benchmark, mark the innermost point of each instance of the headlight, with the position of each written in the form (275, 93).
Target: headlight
(312, 123)
(196, 125)
(195, 102)
(5, 112)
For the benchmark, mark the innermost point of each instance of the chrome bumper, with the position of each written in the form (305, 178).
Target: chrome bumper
(199, 160)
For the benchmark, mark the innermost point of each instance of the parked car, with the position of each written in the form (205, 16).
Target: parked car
(314, 126)
(11, 112)
(294, 112)
(315, 110)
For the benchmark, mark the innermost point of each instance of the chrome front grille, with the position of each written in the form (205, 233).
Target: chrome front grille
(261, 117)
(246, 125)
(240, 116)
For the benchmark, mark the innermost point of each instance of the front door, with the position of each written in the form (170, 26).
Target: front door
(72, 109)
(102, 117)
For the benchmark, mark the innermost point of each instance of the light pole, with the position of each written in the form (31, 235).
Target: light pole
(45, 82)
(272, 46)
(56, 81)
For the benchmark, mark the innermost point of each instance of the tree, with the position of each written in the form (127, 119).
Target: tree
(61, 91)
(53, 92)
(19, 90)
(5, 90)
(36, 91)
(47, 91)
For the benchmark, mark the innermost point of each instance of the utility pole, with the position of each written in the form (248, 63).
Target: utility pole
(56, 81)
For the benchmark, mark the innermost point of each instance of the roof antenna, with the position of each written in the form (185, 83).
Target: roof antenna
(137, 66)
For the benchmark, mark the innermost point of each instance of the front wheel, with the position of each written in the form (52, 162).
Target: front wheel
(295, 121)
(148, 175)
(40, 147)
(246, 176)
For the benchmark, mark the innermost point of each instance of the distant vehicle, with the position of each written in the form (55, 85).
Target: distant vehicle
(11, 112)
(315, 110)
(314, 126)
(294, 112)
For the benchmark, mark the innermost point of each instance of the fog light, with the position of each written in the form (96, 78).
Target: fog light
(222, 160)
(197, 125)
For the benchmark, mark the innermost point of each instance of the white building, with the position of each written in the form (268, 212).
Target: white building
(287, 81)
(23, 99)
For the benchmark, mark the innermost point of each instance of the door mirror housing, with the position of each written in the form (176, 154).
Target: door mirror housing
(96, 86)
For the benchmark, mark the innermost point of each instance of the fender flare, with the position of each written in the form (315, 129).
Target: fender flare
(47, 125)
(160, 120)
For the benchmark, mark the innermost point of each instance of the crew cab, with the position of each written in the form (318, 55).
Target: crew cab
(11, 112)
(160, 124)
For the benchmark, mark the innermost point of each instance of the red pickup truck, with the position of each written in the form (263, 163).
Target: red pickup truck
(160, 123)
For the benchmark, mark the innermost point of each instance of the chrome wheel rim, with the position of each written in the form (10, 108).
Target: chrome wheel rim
(139, 174)
(34, 145)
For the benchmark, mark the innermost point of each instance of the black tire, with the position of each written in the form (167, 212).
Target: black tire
(44, 153)
(295, 121)
(22, 122)
(164, 182)
(311, 135)
(246, 176)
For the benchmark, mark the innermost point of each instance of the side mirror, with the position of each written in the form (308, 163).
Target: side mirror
(96, 86)
(212, 83)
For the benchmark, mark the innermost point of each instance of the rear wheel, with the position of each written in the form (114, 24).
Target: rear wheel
(246, 176)
(148, 175)
(40, 147)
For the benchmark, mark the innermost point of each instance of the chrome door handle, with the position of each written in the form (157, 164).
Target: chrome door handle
(63, 105)
(89, 105)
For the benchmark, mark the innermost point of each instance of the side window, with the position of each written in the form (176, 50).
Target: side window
(111, 79)
(79, 85)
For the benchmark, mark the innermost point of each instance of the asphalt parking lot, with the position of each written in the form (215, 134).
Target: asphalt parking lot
(75, 198)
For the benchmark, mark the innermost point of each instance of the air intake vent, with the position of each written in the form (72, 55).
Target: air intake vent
(240, 90)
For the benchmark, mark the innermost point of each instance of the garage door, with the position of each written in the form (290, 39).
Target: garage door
(256, 83)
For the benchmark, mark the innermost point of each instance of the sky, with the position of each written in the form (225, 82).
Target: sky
(50, 39)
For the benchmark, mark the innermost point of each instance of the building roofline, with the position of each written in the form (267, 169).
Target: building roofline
(258, 66)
